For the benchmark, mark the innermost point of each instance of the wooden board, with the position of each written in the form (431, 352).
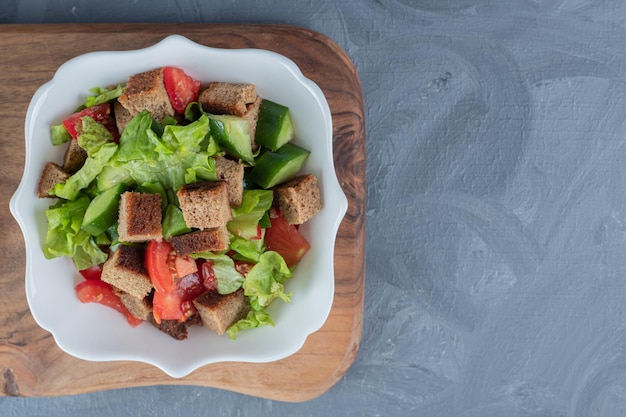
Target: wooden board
(30, 362)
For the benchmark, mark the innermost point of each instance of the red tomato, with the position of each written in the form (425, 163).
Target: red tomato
(101, 113)
(285, 239)
(190, 287)
(94, 291)
(94, 272)
(175, 279)
(157, 254)
(208, 276)
(166, 305)
(181, 88)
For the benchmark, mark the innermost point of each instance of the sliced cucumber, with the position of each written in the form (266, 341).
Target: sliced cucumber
(274, 127)
(273, 168)
(102, 211)
(111, 176)
(232, 133)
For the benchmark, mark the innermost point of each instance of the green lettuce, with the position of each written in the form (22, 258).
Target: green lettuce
(180, 154)
(228, 278)
(254, 205)
(103, 95)
(66, 238)
(263, 284)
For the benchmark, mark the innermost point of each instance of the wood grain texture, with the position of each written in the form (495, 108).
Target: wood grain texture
(30, 362)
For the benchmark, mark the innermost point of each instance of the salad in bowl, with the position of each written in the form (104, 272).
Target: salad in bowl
(179, 206)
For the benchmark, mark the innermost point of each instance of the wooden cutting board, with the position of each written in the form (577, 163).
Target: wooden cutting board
(30, 362)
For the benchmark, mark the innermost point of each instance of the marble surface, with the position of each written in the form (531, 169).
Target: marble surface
(496, 211)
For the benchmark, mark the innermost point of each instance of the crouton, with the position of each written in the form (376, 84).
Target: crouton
(125, 271)
(139, 217)
(51, 175)
(252, 115)
(227, 98)
(74, 157)
(207, 240)
(146, 91)
(138, 307)
(231, 172)
(205, 205)
(173, 328)
(219, 311)
(122, 116)
(299, 198)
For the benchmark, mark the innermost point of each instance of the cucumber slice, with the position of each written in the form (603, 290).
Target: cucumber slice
(102, 211)
(111, 176)
(232, 133)
(273, 168)
(274, 127)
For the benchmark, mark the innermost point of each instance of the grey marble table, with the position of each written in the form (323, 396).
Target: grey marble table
(496, 207)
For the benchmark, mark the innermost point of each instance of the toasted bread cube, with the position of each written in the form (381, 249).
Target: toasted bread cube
(299, 198)
(51, 175)
(125, 271)
(74, 157)
(138, 307)
(252, 115)
(146, 91)
(231, 172)
(122, 116)
(219, 311)
(205, 205)
(227, 98)
(139, 217)
(206, 240)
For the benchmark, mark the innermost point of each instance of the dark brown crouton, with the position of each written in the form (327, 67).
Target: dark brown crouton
(138, 307)
(299, 198)
(219, 311)
(228, 98)
(139, 217)
(74, 158)
(51, 175)
(201, 241)
(125, 270)
(146, 91)
(231, 172)
(205, 205)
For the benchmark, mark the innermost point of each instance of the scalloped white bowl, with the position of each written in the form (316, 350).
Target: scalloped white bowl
(94, 332)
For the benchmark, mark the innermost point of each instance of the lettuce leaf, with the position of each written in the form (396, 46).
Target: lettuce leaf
(66, 238)
(265, 281)
(228, 278)
(254, 319)
(246, 217)
(102, 95)
(263, 284)
(180, 154)
(80, 180)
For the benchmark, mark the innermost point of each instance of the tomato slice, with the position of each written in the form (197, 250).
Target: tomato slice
(95, 291)
(157, 254)
(176, 281)
(94, 272)
(101, 113)
(180, 87)
(285, 239)
(166, 305)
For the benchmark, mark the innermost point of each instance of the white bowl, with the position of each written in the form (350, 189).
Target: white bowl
(97, 333)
